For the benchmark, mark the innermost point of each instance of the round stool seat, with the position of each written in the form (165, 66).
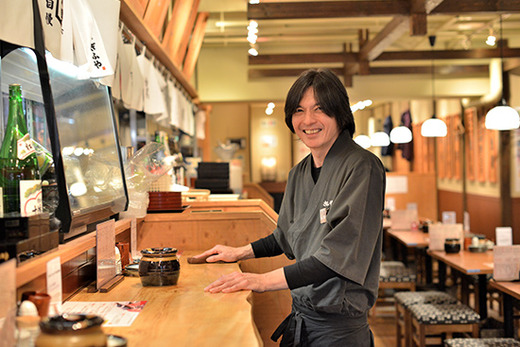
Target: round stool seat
(396, 273)
(444, 314)
(407, 299)
(487, 342)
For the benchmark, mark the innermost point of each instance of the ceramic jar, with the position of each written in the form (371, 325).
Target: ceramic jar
(452, 245)
(71, 330)
(159, 267)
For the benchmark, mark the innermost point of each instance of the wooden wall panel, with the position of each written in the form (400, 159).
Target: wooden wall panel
(422, 189)
(155, 15)
(484, 211)
(451, 201)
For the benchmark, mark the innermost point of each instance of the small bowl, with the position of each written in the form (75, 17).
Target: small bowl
(478, 249)
(452, 246)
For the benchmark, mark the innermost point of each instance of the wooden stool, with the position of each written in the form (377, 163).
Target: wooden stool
(437, 319)
(403, 300)
(394, 275)
(488, 342)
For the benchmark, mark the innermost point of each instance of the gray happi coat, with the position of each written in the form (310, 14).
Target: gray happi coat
(339, 221)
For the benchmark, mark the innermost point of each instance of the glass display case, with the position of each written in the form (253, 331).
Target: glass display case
(90, 176)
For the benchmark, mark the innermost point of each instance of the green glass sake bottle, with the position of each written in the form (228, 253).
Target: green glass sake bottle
(19, 175)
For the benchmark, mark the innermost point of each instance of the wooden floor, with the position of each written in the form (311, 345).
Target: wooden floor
(383, 329)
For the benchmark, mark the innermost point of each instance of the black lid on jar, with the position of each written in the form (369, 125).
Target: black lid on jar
(70, 322)
(159, 251)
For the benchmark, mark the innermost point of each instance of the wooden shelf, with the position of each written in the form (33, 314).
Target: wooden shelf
(31, 269)
(134, 22)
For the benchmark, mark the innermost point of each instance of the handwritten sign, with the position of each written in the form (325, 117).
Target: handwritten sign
(105, 252)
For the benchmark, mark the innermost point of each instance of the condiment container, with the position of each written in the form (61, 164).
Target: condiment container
(72, 330)
(159, 267)
(452, 245)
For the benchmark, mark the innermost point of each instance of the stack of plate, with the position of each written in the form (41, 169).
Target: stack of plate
(165, 201)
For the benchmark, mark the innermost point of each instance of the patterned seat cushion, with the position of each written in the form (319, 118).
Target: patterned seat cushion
(407, 299)
(488, 342)
(444, 314)
(396, 272)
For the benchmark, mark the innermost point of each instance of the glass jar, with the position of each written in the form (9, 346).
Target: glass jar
(159, 267)
(72, 330)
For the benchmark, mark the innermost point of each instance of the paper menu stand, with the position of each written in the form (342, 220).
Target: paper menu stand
(504, 236)
(449, 217)
(106, 277)
(403, 219)
(439, 232)
(506, 263)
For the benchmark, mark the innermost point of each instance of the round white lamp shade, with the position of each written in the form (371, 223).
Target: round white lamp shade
(434, 127)
(400, 134)
(502, 118)
(379, 139)
(363, 141)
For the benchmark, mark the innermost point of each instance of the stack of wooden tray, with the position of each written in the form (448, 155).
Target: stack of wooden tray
(165, 201)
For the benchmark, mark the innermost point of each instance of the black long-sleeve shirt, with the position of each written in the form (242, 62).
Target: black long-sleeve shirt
(299, 274)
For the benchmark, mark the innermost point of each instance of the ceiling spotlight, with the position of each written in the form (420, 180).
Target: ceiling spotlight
(254, 2)
(491, 39)
(252, 51)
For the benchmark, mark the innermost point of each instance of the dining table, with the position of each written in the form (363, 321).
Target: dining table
(469, 264)
(510, 291)
(404, 240)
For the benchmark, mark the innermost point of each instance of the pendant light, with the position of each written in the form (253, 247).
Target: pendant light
(401, 134)
(433, 127)
(363, 141)
(379, 139)
(502, 116)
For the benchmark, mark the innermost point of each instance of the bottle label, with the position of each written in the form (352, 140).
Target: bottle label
(25, 147)
(30, 197)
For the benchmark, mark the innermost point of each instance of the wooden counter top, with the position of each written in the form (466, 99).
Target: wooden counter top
(184, 315)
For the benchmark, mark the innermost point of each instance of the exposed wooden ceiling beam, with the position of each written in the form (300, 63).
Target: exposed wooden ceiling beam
(310, 58)
(326, 9)
(390, 33)
(400, 70)
(196, 42)
(449, 54)
(318, 58)
(349, 9)
(474, 6)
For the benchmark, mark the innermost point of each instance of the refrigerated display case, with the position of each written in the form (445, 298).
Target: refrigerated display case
(88, 166)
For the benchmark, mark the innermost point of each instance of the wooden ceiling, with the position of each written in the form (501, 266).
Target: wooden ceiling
(362, 37)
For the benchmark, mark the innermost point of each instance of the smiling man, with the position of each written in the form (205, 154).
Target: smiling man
(330, 222)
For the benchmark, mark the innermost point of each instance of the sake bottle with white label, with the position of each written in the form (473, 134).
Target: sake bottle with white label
(19, 175)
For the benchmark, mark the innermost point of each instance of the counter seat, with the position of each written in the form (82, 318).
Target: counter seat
(184, 315)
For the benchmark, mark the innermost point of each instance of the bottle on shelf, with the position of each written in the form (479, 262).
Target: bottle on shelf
(20, 179)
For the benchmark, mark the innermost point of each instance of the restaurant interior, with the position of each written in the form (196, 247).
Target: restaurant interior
(432, 85)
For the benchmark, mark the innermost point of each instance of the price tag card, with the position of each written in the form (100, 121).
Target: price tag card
(105, 252)
(8, 307)
(504, 236)
(54, 288)
(133, 239)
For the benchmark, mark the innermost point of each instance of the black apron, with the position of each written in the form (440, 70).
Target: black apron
(304, 327)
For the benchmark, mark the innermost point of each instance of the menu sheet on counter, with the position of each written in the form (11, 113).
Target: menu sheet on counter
(115, 313)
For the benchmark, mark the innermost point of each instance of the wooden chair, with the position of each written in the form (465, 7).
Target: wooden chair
(430, 322)
(394, 275)
(403, 300)
(487, 342)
